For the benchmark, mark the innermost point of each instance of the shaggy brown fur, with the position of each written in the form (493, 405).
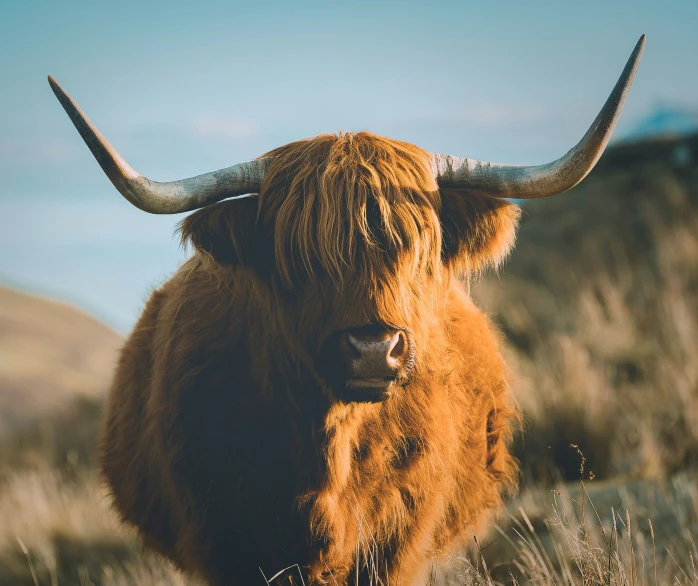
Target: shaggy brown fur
(223, 443)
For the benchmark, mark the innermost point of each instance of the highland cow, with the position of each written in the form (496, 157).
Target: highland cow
(314, 385)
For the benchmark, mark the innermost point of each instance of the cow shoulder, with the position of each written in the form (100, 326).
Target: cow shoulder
(126, 456)
(484, 380)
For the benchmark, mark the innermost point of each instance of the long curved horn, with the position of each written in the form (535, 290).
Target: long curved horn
(161, 198)
(508, 181)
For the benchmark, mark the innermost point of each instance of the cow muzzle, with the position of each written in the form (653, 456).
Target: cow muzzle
(376, 361)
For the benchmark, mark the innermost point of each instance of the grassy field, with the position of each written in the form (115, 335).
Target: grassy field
(599, 306)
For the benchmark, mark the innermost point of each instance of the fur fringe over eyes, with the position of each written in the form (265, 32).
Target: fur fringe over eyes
(338, 203)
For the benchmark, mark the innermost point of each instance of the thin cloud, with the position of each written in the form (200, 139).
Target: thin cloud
(40, 150)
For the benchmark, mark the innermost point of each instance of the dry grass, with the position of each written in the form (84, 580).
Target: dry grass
(56, 524)
(594, 536)
(59, 531)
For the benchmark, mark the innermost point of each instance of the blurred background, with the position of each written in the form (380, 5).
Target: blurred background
(598, 303)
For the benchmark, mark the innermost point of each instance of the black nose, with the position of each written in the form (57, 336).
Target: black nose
(373, 356)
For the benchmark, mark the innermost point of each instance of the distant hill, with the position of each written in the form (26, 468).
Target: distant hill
(664, 121)
(50, 355)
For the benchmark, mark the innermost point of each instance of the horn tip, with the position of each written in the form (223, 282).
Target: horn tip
(641, 43)
(55, 86)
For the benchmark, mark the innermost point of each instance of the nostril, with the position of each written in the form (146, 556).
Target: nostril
(349, 346)
(398, 345)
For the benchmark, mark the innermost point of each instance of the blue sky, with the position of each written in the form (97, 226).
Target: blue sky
(182, 88)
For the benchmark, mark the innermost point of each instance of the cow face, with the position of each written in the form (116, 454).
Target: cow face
(356, 245)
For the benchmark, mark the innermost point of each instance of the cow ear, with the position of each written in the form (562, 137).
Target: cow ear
(478, 231)
(226, 231)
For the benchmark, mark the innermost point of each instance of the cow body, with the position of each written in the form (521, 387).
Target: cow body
(225, 444)
(314, 387)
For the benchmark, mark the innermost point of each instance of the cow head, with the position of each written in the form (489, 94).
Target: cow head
(356, 236)
(357, 244)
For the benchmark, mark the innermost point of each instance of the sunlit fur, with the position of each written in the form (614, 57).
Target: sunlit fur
(224, 445)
